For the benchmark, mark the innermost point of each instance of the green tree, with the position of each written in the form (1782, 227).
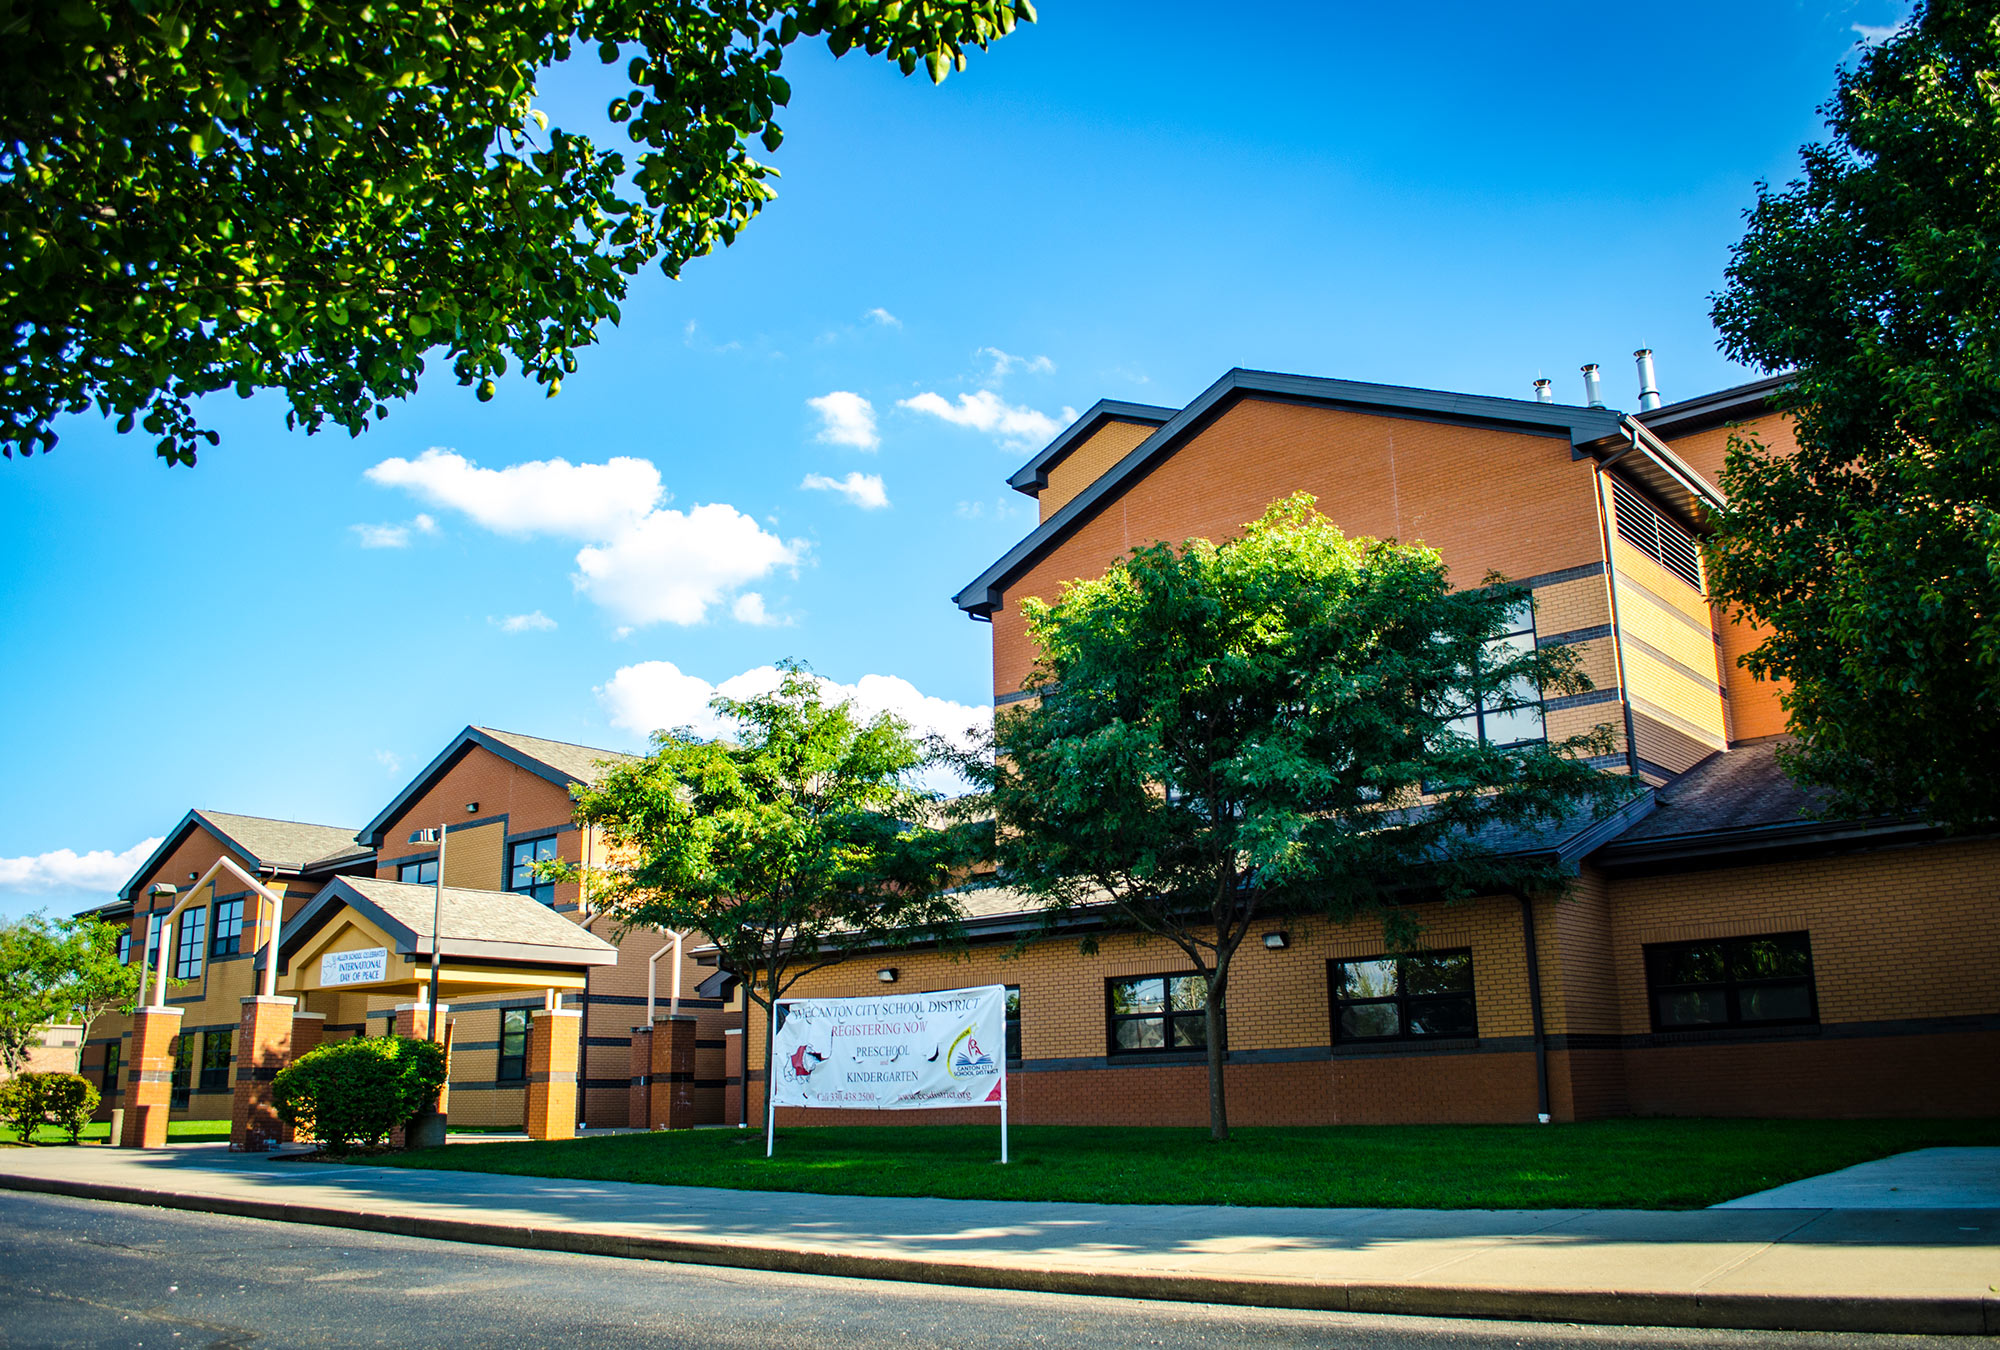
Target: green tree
(56, 971)
(789, 846)
(1873, 553)
(314, 195)
(1225, 735)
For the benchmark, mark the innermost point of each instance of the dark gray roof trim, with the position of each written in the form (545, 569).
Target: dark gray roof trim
(587, 950)
(1735, 404)
(1033, 476)
(461, 745)
(1579, 426)
(277, 856)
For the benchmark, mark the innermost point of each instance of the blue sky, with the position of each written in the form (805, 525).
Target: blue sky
(1458, 196)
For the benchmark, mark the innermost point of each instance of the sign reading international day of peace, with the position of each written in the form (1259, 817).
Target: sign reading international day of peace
(903, 1052)
(368, 966)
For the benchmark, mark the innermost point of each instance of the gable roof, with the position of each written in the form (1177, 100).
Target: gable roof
(274, 845)
(1578, 426)
(559, 762)
(488, 925)
(1735, 404)
(1033, 476)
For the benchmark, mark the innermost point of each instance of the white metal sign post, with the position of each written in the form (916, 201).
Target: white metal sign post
(898, 1052)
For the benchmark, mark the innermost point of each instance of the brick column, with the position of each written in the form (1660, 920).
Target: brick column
(554, 1038)
(152, 1077)
(412, 1020)
(263, 1046)
(673, 1073)
(308, 1032)
(732, 1076)
(639, 1108)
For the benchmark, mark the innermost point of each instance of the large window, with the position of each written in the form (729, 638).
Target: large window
(1512, 715)
(1659, 538)
(1728, 982)
(228, 939)
(423, 873)
(111, 1061)
(153, 922)
(521, 859)
(1396, 998)
(513, 1045)
(1157, 1014)
(183, 1067)
(125, 948)
(193, 936)
(215, 1049)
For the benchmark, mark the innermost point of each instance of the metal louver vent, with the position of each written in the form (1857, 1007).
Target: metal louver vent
(1656, 536)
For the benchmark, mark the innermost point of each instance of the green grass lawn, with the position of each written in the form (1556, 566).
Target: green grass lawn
(184, 1131)
(1610, 1164)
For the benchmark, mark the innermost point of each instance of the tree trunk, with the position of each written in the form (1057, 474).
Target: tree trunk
(1216, 1019)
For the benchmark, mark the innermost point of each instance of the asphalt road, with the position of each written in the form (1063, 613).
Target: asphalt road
(84, 1273)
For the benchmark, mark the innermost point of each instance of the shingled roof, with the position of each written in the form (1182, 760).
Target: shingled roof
(278, 846)
(560, 762)
(492, 925)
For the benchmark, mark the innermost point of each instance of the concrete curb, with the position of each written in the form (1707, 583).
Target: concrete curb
(1951, 1316)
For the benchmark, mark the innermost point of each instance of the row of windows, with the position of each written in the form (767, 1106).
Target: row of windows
(522, 855)
(193, 943)
(1727, 982)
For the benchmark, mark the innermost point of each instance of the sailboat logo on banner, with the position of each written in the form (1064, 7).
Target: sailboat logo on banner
(967, 1060)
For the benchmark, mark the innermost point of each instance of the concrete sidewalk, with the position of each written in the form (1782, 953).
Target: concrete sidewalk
(1930, 1271)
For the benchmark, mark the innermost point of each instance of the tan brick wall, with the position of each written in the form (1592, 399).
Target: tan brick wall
(1086, 462)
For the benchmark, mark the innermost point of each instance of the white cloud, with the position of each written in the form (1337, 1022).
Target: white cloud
(863, 489)
(1874, 34)
(986, 411)
(652, 695)
(749, 608)
(1005, 364)
(883, 317)
(67, 870)
(672, 565)
(545, 496)
(536, 622)
(389, 760)
(393, 536)
(846, 419)
(644, 561)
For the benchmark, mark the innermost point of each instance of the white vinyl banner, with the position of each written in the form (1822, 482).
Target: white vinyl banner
(896, 1052)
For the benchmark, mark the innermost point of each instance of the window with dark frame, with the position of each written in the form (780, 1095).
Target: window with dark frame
(1732, 982)
(522, 855)
(1013, 1023)
(154, 921)
(191, 938)
(112, 1054)
(1423, 996)
(215, 1051)
(183, 1066)
(424, 873)
(1513, 714)
(513, 1045)
(1156, 1014)
(125, 948)
(228, 937)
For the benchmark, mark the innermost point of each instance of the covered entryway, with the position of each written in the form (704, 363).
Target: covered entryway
(363, 939)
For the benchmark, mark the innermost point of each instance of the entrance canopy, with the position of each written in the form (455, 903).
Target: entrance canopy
(363, 935)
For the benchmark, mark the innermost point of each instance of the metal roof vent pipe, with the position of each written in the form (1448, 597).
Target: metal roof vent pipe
(1545, 391)
(1649, 388)
(1593, 388)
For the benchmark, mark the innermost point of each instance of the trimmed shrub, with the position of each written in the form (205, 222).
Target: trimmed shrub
(30, 1100)
(21, 1106)
(70, 1100)
(355, 1092)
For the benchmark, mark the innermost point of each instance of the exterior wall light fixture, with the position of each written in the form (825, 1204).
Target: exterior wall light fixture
(887, 974)
(1277, 941)
(472, 808)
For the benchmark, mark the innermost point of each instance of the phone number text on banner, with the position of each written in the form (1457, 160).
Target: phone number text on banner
(903, 1052)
